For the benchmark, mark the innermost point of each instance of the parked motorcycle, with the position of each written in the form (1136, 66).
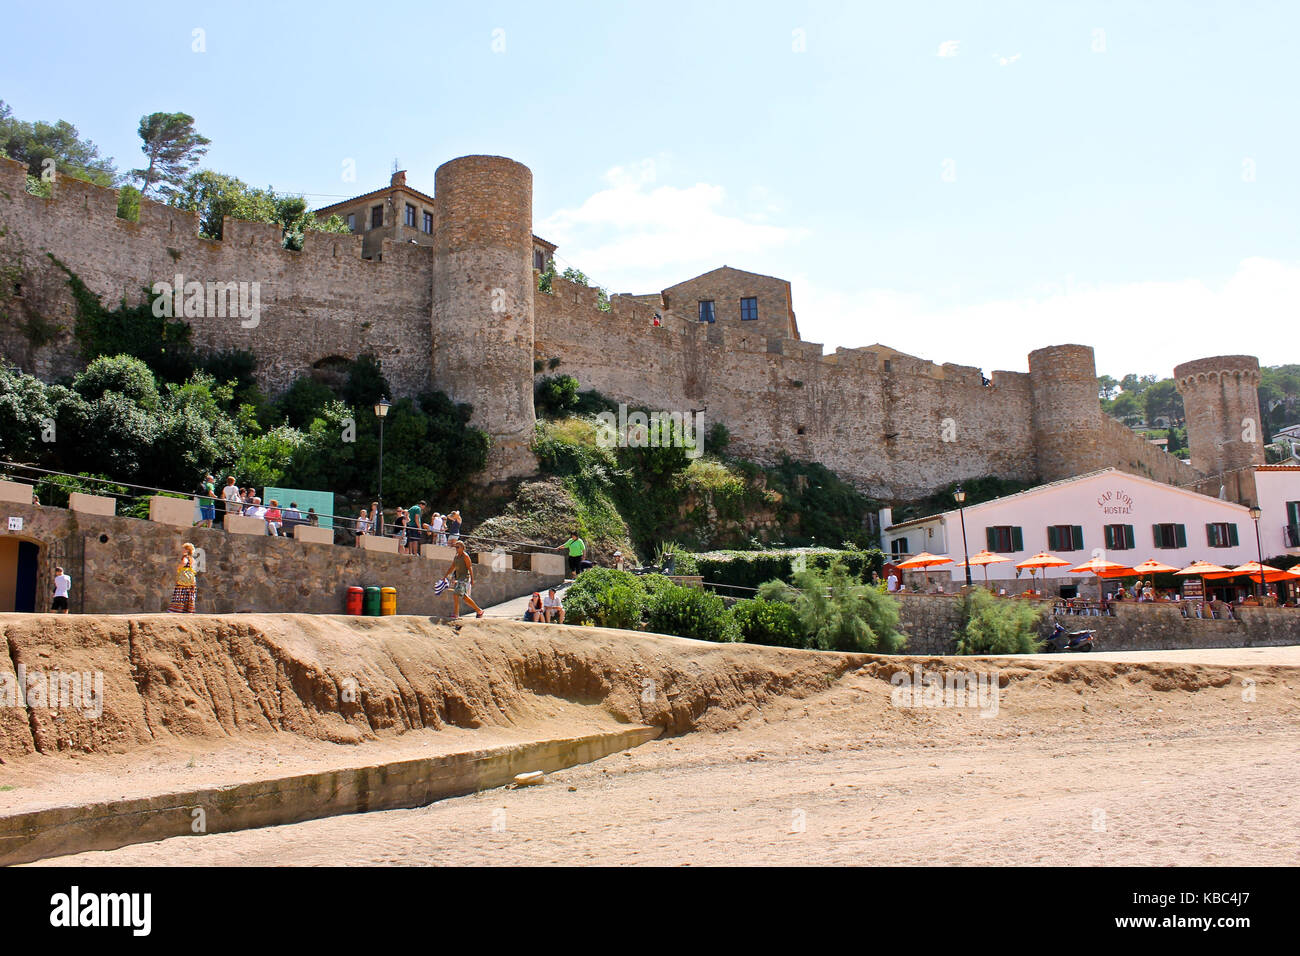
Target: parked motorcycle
(1063, 641)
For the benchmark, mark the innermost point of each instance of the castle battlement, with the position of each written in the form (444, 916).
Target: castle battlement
(463, 315)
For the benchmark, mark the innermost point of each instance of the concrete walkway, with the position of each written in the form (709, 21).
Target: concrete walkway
(514, 608)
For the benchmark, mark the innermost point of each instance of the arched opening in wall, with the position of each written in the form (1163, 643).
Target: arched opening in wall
(19, 570)
(331, 371)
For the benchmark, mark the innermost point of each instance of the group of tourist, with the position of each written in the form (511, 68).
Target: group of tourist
(235, 500)
(409, 527)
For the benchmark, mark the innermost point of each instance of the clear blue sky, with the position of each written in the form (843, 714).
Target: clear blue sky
(962, 181)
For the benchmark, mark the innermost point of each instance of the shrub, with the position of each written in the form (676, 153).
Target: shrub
(692, 612)
(840, 613)
(555, 395)
(601, 595)
(998, 627)
(774, 623)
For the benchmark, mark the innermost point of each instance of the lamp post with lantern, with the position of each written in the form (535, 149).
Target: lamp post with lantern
(1255, 514)
(381, 412)
(960, 497)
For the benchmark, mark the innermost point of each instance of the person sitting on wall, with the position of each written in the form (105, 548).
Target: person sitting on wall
(552, 609)
(363, 526)
(534, 610)
(274, 519)
(1121, 594)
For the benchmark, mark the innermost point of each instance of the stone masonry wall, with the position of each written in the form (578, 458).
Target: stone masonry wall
(322, 302)
(127, 565)
(931, 621)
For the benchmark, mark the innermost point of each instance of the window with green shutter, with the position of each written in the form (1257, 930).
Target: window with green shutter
(1169, 535)
(1221, 534)
(1005, 538)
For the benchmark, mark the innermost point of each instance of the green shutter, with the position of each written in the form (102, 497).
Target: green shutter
(1109, 534)
(1180, 531)
(1130, 539)
(1017, 540)
(1078, 537)
(1051, 537)
(1232, 534)
(991, 539)
(1209, 535)
(1155, 536)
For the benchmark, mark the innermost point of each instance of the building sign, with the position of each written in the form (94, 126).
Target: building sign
(16, 523)
(1193, 589)
(1117, 502)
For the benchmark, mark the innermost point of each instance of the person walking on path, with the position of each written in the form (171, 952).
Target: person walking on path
(62, 585)
(186, 591)
(462, 572)
(576, 548)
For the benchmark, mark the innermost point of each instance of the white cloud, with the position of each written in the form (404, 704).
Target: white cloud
(635, 231)
(948, 48)
(1143, 327)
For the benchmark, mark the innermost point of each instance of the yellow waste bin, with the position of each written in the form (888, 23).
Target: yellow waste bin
(388, 601)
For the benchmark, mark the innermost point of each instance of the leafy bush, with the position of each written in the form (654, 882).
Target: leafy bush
(773, 623)
(605, 597)
(839, 612)
(996, 626)
(692, 612)
(555, 395)
(750, 569)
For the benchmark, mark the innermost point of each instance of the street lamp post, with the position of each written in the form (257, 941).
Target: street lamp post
(960, 497)
(1255, 514)
(381, 412)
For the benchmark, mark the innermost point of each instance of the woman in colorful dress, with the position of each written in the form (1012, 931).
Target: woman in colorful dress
(186, 591)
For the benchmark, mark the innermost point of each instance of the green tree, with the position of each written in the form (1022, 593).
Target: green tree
(1106, 387)
(1162, 400)
(994, 626)
(840, 613)
(173, 148)
(35, 143)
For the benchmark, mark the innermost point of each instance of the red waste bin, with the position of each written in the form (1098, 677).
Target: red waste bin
(355, 596)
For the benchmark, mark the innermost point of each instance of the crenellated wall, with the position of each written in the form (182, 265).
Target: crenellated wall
(323, 302)
(463, 316)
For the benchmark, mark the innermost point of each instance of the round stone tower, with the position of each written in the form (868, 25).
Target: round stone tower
(1066, 412)
(1225, 432)
(483, 301)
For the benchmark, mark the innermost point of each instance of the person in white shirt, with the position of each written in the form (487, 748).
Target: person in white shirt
(363, 525)
(439, 527)
(230, 499)
(892, 581)
(62, 585)
(552, 609)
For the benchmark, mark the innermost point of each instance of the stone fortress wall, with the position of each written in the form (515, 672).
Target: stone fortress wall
(463, 316)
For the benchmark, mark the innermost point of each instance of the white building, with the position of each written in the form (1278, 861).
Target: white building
(1122, 517)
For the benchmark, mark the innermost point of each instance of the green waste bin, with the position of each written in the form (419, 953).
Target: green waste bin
(372, 603)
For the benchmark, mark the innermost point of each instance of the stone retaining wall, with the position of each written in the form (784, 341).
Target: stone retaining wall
(127, 565)
(931, 621)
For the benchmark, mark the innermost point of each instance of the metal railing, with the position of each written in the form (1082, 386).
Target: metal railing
(341, 523)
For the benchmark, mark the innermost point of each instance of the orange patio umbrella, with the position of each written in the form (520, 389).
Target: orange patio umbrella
(982, 559)
(1101, 568)
(1252, 569)
(1200, 569)
(1042, 560)
(924, 560)
(1150, 566)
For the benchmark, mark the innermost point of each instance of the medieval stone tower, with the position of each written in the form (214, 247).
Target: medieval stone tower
(483, 300)
(1067, 415)
(1225, 432)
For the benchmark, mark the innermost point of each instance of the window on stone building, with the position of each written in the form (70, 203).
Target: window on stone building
(539, 260)
(1221, 534)
(748, 310)
(706, 310)
(428, 223)
(352, 222)
(1005, 538)
(1064, 537)
(376, 217)
(1119, 537)
(1169, 535)
(410, 215)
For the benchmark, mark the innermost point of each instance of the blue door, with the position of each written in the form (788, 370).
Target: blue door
(25, 585)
